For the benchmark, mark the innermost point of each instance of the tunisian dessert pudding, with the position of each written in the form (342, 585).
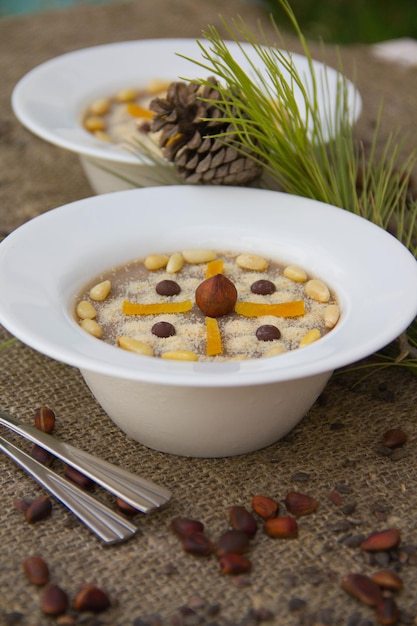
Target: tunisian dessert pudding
(121, 117)
(208, 306)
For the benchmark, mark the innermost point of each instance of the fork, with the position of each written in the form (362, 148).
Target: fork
(142, 494)
(107, 524)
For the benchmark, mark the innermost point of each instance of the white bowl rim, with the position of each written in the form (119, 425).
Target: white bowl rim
(39, 263)
(50, 98)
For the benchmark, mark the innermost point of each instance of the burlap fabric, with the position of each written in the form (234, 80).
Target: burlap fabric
(336, 447)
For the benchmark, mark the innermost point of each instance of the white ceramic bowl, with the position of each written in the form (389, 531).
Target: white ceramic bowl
(51, 99)
(204, 409)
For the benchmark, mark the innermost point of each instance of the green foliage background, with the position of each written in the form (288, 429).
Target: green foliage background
(350, 21)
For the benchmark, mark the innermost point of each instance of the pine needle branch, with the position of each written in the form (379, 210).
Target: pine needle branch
(305, 142)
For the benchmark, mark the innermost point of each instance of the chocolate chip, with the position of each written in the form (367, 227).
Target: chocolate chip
(163, 329)
(263, 287)
(268, 332)
(145, 127)
(168, 288)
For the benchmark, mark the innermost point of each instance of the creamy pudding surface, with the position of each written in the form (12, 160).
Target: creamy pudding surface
(123, 117)
(207, 305)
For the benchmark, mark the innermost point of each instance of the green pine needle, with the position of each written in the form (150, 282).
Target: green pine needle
(297, 155)
(7, 343)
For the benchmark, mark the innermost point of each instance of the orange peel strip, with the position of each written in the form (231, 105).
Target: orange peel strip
(214, 340)
(135, 110)
(172, 139)
(283, 309)
(136, 308)
(214, 267)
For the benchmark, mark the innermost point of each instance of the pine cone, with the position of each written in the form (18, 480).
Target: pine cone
(187, 140)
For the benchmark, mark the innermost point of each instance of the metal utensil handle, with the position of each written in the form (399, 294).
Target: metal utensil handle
(140, 493)
(100, 519)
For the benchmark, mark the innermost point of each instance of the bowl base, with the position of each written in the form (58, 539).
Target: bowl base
(205, 422)
(106, 177)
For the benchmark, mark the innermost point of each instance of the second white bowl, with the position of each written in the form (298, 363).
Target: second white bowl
(51, 99)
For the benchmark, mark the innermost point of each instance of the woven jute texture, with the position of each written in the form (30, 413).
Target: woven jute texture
(336, 447)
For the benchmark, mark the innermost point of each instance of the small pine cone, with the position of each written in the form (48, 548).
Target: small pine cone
(187, 121)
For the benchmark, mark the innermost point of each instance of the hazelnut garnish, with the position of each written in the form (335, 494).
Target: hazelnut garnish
(216, 296)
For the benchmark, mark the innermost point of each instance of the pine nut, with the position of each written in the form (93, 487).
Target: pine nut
(85, 310)
(91, 327)
(199, 256)
(156, 261)
(317, 290)
(310, 337)
(94, 122)
(295, 273)
(175, 263)
(331, 315)
(100, 291)
(100, 107)
(100, 134)
(133, 345)
(127, 95)
(252, 262)
(180, 355)
(275, 351)
(157, 85)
